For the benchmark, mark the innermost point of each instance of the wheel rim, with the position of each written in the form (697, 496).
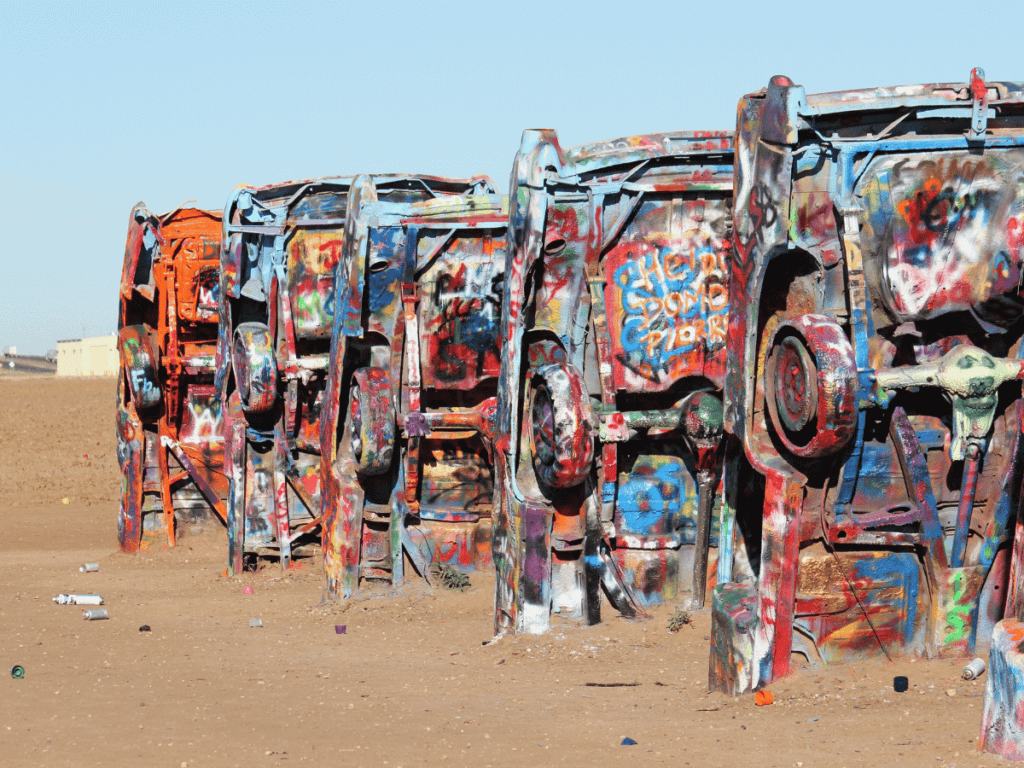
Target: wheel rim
(242, 370)
(543, 422)
(796, 384)
(356, 422)
(810, 386)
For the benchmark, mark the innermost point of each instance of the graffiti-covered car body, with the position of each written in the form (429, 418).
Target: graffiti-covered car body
(407, 427)
(613, 331)
(169, 427)
(281, 247)
(874, 340)
(277, 256)
(1002, 729)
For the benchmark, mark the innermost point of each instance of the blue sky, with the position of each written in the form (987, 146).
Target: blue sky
(105, 104)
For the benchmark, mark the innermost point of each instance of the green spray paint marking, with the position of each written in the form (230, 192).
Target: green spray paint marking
(311, 311)
(957, 618)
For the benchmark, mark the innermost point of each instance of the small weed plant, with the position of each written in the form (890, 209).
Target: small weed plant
(678, 619)
(450, 577)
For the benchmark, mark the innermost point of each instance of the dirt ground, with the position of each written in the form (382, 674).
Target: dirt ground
(409, 683)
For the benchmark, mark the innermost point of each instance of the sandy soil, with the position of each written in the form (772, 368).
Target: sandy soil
(409, 683)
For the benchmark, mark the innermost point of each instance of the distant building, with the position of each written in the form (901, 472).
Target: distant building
(96, 356)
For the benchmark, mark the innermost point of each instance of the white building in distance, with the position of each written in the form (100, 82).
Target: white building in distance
(96, 356)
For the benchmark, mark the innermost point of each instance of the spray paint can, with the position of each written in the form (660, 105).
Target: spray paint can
(89, 567)
(974, 670)
(94, 614)
(78, 600)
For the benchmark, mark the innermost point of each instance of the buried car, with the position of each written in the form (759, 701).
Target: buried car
(281, 248)
(407, 428)
(613, 334)
(169, 426)
(875, 357)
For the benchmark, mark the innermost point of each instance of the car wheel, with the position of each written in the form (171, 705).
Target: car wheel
(371, 421)
(252, 357)
(560, 426)
(811, 386)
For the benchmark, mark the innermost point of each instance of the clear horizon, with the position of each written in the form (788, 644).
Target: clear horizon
(106, 104)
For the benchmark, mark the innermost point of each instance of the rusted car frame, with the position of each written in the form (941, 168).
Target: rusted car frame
(406, 433)
(281, 246)
(613, 332)
(169, 425)
(875, 358)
